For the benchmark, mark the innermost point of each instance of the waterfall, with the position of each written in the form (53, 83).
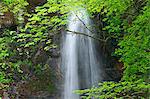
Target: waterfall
(80, 61)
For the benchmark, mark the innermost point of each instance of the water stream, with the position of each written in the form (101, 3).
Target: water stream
(80, 61)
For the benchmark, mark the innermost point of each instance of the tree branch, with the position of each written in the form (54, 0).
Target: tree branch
(102, 40)
(84, 24)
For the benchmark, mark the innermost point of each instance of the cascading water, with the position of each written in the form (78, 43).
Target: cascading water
(80, 62)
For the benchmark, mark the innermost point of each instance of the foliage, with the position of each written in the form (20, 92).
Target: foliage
(2, 79)
(46, 22)
(8, 1)
(8, 50)
(113, 90)
(5, 53)
(134, 48)
(20, 42)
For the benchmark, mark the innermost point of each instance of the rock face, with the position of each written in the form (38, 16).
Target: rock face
(7, 20)
(112, 67)
(47, 84)
(34, 3)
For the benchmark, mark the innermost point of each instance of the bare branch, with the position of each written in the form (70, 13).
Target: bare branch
(102, 40)
(84, 24)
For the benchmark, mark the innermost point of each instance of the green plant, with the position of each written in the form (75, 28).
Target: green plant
(113, 90)
(134, 48)
(7, 1)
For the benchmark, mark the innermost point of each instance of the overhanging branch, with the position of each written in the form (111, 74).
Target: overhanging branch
(84, 24)
(102, 40)
(95, 38)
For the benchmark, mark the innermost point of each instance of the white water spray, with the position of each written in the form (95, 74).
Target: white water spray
(80, 63)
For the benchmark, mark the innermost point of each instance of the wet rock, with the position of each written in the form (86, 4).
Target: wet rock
(7, 20)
